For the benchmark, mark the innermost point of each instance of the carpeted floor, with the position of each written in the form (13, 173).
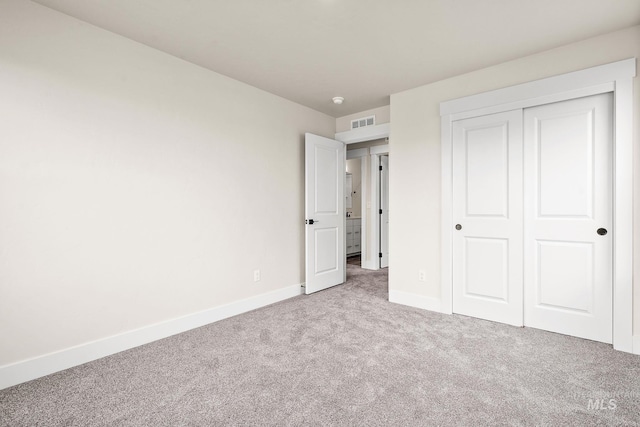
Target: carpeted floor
(344, 356)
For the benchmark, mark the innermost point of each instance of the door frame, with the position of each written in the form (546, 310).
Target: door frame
(616, 77)
(381, 182)
(370, 213)
(367, 155)
(374, 154)
(361, 154)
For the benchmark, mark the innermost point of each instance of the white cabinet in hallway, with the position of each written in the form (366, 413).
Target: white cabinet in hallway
(353, 236)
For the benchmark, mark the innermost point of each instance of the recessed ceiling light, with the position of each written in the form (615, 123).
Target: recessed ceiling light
(338, 100)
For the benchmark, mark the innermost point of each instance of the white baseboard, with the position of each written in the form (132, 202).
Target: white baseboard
(414, 300)
(636, 344)
(37, 367)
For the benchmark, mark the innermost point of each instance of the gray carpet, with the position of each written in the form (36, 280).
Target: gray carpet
(344, 356)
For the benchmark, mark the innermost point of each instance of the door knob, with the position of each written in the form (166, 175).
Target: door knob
(458, 227)
(310, 221)
(602, 231)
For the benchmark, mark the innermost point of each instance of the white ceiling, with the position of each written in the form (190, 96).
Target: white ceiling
(309, 51)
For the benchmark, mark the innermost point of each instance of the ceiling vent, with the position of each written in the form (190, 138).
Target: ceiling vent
(363, 122)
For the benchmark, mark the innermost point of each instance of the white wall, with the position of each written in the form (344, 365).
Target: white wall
(415, 176)
(134, 187)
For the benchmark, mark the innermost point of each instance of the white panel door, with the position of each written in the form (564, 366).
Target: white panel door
(324, 212)
(568, 187)
(487, 211)
(384, 211)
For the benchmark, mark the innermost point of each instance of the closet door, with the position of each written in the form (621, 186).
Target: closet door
(568, 217)
(487, 211)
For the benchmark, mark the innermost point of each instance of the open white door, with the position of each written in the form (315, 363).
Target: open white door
(324, 213)
(384, 211)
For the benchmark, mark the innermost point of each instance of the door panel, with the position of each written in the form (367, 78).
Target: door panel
(326, 179)
(568, 188)
(487, 177)
(487, 268)
(324, 204)
(565, 164)
(487, 197)
(325, 250)
(562, 288)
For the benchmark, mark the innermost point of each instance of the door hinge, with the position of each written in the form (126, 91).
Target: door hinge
(380, 167)
(380, 255)
(380, 211)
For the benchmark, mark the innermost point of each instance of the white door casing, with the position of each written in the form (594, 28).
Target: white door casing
(568, 188)
(487, 211)
(384, 209)
(324, 212)
(373, 207)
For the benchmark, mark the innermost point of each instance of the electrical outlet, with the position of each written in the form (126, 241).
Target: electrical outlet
(422, 276)
(256, 275)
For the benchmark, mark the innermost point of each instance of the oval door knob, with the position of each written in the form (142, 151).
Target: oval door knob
(458, 227)
(602, 231)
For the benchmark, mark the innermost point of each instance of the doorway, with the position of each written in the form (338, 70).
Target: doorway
(363, 159)
(328, 235)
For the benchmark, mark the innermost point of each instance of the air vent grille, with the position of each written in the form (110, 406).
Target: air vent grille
(363, 122)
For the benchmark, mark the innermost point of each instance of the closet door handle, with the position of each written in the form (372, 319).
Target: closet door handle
(458, 227)
(602, 231)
